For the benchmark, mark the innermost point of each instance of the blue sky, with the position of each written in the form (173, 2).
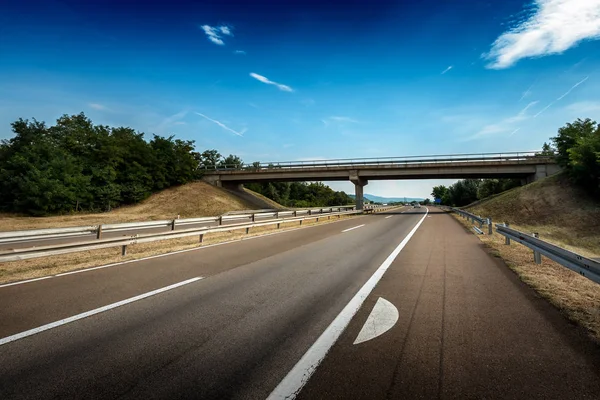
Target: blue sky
(298, 80)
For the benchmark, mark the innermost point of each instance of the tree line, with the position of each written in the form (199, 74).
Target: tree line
(576, 149)
(76, 165)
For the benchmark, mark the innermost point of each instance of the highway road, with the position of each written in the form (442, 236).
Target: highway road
(26, 243)
(431, 313)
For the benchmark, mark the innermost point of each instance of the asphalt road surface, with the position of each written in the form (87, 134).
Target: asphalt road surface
(443, 320)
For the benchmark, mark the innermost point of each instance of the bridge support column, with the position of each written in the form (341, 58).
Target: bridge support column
(359, 183)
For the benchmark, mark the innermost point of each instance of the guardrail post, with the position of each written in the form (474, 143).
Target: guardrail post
(99, 232)
(295, 213)
(201, 238)
(253, 217)
(537, 257)
(276, 214)
(124, 250)
(301, 222)
(490, 226)
(309, 212)
(173, 225)
(507, 239)
(221, 220)
(278, 224)
(247, 230)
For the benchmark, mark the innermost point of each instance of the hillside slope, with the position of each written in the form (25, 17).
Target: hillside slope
(196, 199)
(553, 207)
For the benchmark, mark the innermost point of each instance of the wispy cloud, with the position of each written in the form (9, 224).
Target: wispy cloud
(526, 93)
(215, 33)
(338, 120)
(97, 106)
(553, 27)
(171, 120)
(562, 96)
(515, 131)
(343, 119)
(242, 52)
(266, 80)
(523, 113)
(222, 125)
(584, 107)
(446, 70)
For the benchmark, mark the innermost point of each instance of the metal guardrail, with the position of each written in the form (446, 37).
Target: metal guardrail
(349, 162)
(473, 218)
(582, 265)
(45, 251)
(67, 233)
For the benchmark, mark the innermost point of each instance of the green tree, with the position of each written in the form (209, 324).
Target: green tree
(578, 152)
(231, 161)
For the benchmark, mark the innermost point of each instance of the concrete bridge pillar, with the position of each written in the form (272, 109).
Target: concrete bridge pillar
(359, 183)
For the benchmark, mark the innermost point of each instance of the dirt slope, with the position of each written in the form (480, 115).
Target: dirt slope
(195, 199)
(553, 207)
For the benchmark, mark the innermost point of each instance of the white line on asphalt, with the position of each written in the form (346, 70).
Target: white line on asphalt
(389, 216)
(293, 382)
(171, 253)
(86, 314)
(27, 281)
(354, 227)
(381, 319)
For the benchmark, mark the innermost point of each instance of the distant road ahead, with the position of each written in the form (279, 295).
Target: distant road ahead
(466, 327)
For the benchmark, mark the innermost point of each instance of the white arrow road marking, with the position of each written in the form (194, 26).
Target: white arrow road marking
(389, 217)
(382, 318)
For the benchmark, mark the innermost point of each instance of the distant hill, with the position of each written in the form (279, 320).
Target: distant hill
(379, 199)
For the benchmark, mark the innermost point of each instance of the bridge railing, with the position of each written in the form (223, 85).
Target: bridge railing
(511, 157)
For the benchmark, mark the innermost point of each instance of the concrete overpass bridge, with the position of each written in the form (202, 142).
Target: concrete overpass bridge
(527, 166)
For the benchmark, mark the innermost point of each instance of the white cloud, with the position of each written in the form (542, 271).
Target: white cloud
(552, 28)
(266, 80)
(562, 96)
(215, 33)
(222, 125)
(584, 107)
(97, 106)
(242, 52)
(446, 70)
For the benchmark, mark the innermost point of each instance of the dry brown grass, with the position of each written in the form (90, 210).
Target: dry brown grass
(577, 297)
(34, 268)
(553, 207)
(267, 200)
(196, 199)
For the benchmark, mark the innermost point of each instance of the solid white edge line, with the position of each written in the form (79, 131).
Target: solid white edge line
(168, 254)
(355, 227)
(86, 314)
(26, 281)
(293, 382)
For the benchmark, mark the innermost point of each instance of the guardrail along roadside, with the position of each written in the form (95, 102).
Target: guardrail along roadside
(582, 265)
(99, 230)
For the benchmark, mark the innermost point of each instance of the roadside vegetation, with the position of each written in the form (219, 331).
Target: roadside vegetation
(76, 166)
